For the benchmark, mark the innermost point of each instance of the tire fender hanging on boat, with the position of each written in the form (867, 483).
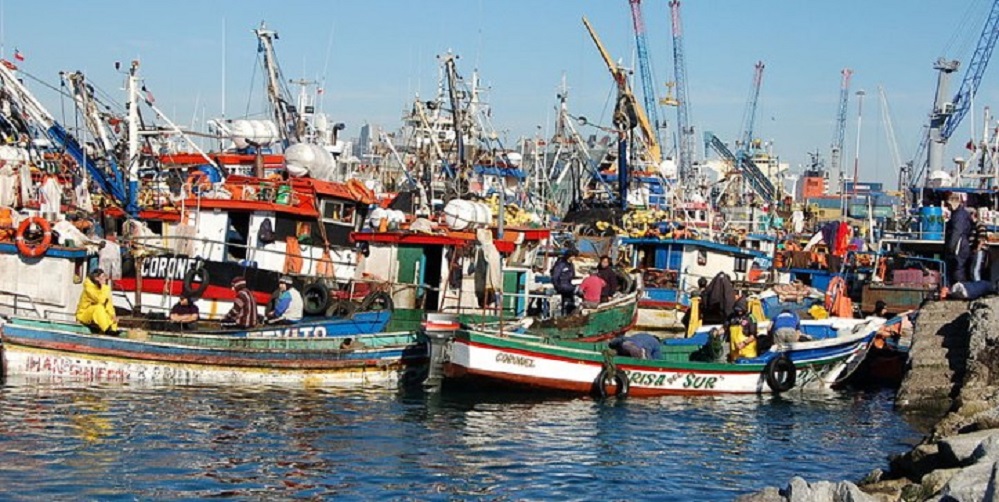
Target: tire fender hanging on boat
(376, 298)
(611, 375)
(191, 276)
(780, 373)
(316, 298)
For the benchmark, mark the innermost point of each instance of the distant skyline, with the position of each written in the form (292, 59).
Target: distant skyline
(374, 57)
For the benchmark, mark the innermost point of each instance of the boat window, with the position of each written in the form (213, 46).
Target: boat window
(338, 212)
(702, 257)
(741, 264)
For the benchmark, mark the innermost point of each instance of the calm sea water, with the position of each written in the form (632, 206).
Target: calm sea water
(62, 440)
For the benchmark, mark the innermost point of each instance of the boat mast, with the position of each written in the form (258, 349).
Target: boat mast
(285, 113)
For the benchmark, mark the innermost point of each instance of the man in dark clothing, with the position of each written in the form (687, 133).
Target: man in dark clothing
(562, 273)
(607, 273)
(717, 299)
(957, 240)
(640, 345)
(184, 315)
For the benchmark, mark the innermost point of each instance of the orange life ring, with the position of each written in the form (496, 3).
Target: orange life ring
(29, 249)
(199, 179)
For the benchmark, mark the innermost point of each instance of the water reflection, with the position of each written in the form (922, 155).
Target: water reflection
(65, 441)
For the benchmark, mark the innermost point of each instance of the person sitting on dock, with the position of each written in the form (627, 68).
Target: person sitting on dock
(606, 272)
(184, 315)
(742, 331)
(639, 345)
(96, 309)
(289, 307)
(591, 289)
(243, 314)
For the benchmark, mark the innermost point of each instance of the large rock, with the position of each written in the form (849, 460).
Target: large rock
(960, 450)
(972, 484)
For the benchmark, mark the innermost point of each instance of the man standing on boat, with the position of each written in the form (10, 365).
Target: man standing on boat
(607, 273)
(562, 273)
(957, 245)
(95, 309)
(243, 314)
(289, 307)
(591, 289)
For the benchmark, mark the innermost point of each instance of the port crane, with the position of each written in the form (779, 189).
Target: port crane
(839, 132)
(947, 115)
(645, 71)
(628, 113)
(685, 140)
(742, 159)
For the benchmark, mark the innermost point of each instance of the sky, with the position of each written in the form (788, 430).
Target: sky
(199, 59)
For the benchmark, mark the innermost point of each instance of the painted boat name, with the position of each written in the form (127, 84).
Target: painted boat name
(526, 362)
(167, 267)
(687, 380)
(293, 332)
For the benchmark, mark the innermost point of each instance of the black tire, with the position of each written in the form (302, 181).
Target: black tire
(377, 300)
(316, 298)
(619, 380)
(341, 308)
(780, 374)
(625, 282)
(191, 277)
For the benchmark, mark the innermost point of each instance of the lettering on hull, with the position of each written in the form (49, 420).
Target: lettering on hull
(291, 332)
(515, 360)
(168, 267)
(689, 380)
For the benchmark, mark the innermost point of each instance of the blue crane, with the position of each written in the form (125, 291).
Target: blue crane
(685, 140)
(749, 121)
(839, 133)
(645, 69)
(946, 115)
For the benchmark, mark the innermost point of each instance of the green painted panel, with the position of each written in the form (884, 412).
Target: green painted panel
(408, 257)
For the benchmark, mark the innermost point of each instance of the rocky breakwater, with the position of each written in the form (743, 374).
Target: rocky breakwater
(951, 390)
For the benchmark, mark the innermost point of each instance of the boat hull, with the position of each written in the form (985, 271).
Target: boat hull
(58, 350)
(484, 359)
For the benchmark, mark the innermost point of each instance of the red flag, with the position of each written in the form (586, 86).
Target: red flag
(149, 96)
(319, 90)
(17, 55)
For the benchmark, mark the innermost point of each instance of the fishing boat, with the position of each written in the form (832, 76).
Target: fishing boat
(492, 359)
(312, 354)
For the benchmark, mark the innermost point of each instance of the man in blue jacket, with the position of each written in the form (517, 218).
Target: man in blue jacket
(957, 240)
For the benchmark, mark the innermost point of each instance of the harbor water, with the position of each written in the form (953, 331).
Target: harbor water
(67, 440)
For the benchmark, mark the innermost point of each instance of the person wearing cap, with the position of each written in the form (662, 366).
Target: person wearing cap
(95, 308)
(742, 331)
(289, 306)
(243, 314)
(562, 274)
(184, 315)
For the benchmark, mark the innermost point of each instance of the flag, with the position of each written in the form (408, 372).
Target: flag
(319, 90)
(149, 96)
(17, 55)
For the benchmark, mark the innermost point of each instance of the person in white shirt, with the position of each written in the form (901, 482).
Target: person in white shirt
(289, 306)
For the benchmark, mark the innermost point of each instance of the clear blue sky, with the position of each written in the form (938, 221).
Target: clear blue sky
(383, 52)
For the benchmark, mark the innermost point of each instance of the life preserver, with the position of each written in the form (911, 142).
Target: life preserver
(377, 300)
(199, 182)
(33, 249)
(189, 279)
(316, 297)
(619, 380)
(780, 373)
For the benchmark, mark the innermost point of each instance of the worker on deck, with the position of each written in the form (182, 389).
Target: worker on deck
(742, 331)
(243, 314)
(289, 306)
(95, 308)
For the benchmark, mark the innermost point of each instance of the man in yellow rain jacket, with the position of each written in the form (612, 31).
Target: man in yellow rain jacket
(742, 332)
(96, 310)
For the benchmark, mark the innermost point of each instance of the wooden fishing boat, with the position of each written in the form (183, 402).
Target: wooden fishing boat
(484, 358)
(302, 354)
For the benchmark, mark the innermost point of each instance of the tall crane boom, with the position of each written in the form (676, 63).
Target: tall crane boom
(645, 71)
(754, 97)
(839, 132)
(973, 75)
(626, 99)
(686, 131)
